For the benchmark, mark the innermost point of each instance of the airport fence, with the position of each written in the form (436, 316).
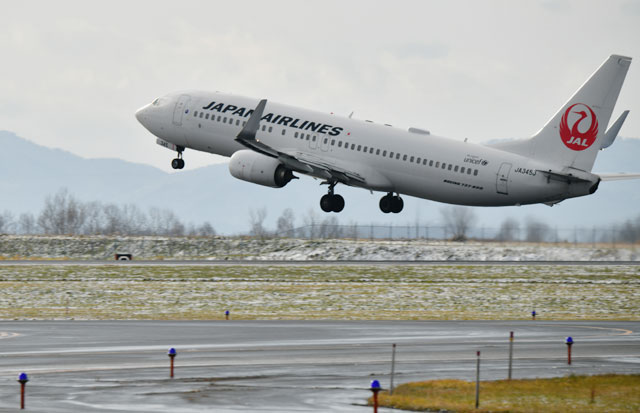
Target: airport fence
(534, 234)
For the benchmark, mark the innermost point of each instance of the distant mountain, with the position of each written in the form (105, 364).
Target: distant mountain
(32, 172)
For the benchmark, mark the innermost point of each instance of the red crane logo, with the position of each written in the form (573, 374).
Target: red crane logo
(572, 137)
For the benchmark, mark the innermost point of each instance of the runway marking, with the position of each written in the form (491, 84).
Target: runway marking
(7, 334)
(625, 332)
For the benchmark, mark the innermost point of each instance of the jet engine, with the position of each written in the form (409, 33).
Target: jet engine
(259, 169)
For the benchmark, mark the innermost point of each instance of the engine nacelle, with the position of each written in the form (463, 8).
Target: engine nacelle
(259, 169)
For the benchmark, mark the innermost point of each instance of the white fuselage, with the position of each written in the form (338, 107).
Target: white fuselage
(422, 165)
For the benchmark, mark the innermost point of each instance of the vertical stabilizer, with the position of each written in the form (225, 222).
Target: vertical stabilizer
(573, 136)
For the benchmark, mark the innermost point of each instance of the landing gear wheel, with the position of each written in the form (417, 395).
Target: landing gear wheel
(338, 203)
(326, 203)
(391, 203)
(177, 163)
(332, 203)
(385, 204)
(396, 204)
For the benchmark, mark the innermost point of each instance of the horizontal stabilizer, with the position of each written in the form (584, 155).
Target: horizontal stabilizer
(619, 176)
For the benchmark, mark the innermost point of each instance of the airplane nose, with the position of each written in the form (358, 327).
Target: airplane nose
(142, 114)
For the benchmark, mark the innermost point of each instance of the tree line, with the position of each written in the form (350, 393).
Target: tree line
(62, 213)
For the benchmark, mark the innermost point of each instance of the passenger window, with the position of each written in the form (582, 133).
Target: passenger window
(201, 114)
(431, 163)
(195, 113)
(417, 160)
(404, 158)
(206, 116)
(333, 142)
(390, 154)
(264, 128)
(353, 146)
(424, 161)
(469, 171)
(397, 156)
(411, 159)
(270, 129)
(326, 140)
(377, 151)
(437, 164)
(455, 169)
(295, 134)
(359, 147)
(308, 136)
(283, 132)
(475, 172)
(364, 149)
(313, 138)
(244, 123)
(370, 150)
(384, 153)
(449, 167)
(462, 169)
(238, 124)
(339, 144)
(224, 120)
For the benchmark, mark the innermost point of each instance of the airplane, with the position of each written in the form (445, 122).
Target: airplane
(268, 142)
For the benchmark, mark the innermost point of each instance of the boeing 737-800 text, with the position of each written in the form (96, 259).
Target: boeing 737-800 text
(268, 142)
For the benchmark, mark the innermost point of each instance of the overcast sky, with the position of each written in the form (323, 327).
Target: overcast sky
(74, 72)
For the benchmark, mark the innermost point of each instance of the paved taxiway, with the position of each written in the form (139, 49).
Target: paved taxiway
(284, 366)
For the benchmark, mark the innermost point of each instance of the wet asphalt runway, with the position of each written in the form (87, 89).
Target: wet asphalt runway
(281, 366)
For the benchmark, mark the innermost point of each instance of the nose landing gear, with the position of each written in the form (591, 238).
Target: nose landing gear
(332, 202)
(391, 203)
(178, 163)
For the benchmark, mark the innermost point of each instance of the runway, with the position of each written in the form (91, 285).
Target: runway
(282, 366)
(170, 263)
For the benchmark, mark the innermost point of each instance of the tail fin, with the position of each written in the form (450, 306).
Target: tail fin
(573, 136)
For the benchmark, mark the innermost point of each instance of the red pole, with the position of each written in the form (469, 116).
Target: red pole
(568, 354)
(171, 374)
(375, 402)
(22, 379)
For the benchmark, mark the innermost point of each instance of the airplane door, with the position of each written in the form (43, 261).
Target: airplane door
(178, 112)
(503, 179)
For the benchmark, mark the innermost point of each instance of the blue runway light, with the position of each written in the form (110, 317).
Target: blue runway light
(569, 341)
(23, 378)
(375, 385)
(172, 352)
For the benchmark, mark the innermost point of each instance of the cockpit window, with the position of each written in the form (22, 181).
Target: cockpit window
(155, 102)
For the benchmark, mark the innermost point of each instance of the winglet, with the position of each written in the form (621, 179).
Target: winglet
(248, 132)
(612, 133)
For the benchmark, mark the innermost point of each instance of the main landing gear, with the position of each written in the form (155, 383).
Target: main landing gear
(391, 203)
(178, 163)
(332, 202)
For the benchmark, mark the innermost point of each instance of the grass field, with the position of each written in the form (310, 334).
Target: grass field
(320, 292)
(574, 394)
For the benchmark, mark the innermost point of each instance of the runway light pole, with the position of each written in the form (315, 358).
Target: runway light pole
(510, 353)
(393, 367)
(226, 315)
(533, 315)
(22, 379)
(569, 343)
(172, 355)
(375, 388)
(478, 380)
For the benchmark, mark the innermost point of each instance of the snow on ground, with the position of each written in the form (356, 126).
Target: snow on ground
(225, 248)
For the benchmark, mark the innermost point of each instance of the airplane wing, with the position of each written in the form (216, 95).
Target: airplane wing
(618, 176)
(296, 161)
